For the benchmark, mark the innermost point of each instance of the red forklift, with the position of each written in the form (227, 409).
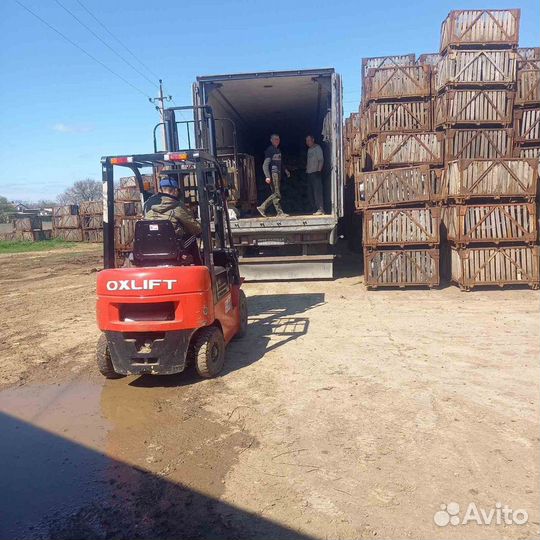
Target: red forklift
(169, 309)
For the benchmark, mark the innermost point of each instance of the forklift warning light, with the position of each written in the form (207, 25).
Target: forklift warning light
(121, 160)
(176, 156)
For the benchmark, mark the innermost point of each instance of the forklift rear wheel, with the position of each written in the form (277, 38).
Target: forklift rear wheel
(243, 310)
(209, 351)
(104, 362)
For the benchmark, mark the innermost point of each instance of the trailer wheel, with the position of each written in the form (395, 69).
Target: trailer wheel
(103, 357)
(208, 351)
(243, 310)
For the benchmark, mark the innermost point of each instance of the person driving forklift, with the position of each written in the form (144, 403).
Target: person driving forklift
(166, 204)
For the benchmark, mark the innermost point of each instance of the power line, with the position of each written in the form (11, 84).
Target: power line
(81, 49)
(116, 39)
(97, 36)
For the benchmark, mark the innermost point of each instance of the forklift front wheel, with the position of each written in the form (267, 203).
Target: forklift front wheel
(104, 362)
(208, 351)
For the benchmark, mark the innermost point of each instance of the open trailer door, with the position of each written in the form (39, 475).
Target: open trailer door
(337, 145)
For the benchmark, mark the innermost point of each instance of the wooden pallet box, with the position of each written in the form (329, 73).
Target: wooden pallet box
(66, 210)
(66, 222)
(428, 59)
(480, 27)
(527, 126)
(504, 265)
(396, 117)
(401, 267)
(476, 107)
(386, 61)
(402, 227)
(68, 235)
(476, 68)
(527, 152)
(491, 178)
(528, 87)
(491, 223)
(397, 82)
(93, 235)
(528, 57)
(394, 187)
(405, 149)
(478, 143)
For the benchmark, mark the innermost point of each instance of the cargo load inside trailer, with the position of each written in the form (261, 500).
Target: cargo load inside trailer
(250, 107)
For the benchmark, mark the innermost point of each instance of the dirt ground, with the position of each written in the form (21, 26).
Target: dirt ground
(343, 414)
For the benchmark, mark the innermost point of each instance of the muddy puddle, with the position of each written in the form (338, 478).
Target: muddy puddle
(114, 459)
(66, 446)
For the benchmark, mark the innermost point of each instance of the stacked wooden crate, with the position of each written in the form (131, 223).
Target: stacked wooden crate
(29, 228)
(492, 223)
(66, 223)
(401, 227)
(91, 213)
(475, 81)
(527, 103)
(396, 114)
(400, 182)
(127, 211)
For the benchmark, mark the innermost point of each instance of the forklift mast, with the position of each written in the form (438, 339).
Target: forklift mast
(211, 185)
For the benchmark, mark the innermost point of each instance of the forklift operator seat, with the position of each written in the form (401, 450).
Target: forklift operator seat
(156, 243)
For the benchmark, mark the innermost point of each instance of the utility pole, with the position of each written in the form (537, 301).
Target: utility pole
(161, 100)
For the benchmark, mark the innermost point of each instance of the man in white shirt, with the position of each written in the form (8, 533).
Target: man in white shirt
(315, 163)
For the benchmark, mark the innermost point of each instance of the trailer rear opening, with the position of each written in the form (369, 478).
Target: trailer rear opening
(292, 104)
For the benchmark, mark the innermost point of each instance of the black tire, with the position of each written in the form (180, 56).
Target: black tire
(208, 351)
(103, 357)
(243, 308)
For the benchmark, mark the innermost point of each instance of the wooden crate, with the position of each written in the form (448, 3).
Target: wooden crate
(528, 87)
(528, 57)
(93, 235)
(491, 223)
(516, 265)
(402, 227)
(476, 68)
(428, 59)
(405, 149)
(393, 187)
(401, 116)
(478, 144)
(401, 268)
(68, 235)
(491, 178)
(527, 126)
(92, 221)
(124, 231)
(527, 152)
(480, 27)
(386, 61)
(66, 222)
(478, 107)
(66, 210)
(91, 207)
(397, 82)
(128, 193)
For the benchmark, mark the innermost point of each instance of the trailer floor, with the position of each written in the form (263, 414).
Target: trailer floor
(343, 414)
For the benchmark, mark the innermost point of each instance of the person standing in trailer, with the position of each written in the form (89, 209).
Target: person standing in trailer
(273, 169)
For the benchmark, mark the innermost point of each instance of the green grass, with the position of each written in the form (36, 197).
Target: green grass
(14, 246)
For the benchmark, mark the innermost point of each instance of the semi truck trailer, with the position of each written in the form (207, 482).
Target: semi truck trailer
(249, 107)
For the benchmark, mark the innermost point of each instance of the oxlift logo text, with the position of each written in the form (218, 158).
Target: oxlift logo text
(140, 285)
(449, 514)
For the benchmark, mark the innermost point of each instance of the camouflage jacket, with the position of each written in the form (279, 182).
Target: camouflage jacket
(164, 206)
